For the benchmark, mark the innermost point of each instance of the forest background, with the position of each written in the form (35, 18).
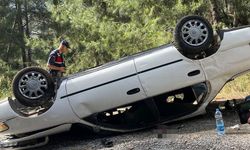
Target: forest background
(100, 31)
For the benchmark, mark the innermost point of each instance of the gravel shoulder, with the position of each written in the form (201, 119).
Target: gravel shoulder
(196, 133)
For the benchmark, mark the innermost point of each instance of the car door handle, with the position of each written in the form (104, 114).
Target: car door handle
(133, 91)
(194, 73)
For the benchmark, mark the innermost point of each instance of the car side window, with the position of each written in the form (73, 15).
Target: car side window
(192, 94)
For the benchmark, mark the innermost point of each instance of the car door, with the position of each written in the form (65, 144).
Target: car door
(166, 70)
(106, 88)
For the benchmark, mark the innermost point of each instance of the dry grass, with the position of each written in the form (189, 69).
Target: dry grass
(236, 89)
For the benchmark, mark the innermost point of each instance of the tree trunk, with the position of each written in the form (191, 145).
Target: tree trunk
(21, 31)
(10, 43)
(7, 53)
(215, 11)
(27, 31)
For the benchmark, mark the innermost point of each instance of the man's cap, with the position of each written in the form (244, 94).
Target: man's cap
(65, 43)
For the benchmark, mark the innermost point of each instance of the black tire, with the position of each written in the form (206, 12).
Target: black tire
(33, 86)
(193, 35)
(247, 98)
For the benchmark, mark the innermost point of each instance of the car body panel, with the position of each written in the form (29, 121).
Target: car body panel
(6, 112)
(235, 38)
(108, 88)
(59, 113)
(231, 59)
(167, 70)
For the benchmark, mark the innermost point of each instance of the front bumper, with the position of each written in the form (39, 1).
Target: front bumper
(25, 144)
(33, 139)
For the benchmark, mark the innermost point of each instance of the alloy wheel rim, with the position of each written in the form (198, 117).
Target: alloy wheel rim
(33, 85)
(194, 32)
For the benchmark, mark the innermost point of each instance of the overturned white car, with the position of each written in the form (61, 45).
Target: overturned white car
(164, 84)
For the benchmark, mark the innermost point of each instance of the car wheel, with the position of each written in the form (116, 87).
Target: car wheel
(193, 35)
(33, 86)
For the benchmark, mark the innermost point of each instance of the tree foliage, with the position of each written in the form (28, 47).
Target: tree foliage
(99, 30)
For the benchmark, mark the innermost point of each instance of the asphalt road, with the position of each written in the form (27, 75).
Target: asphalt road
(195, 133)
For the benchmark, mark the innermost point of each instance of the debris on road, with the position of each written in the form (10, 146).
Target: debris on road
(107, 143)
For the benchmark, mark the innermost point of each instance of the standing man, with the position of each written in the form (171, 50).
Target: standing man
(56, 62)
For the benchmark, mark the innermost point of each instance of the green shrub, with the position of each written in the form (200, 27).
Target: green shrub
(5, 86)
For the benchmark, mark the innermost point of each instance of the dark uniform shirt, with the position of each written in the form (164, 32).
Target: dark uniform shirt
(56, 59)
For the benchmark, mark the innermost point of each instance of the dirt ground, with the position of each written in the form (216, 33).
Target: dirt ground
(195, 133)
